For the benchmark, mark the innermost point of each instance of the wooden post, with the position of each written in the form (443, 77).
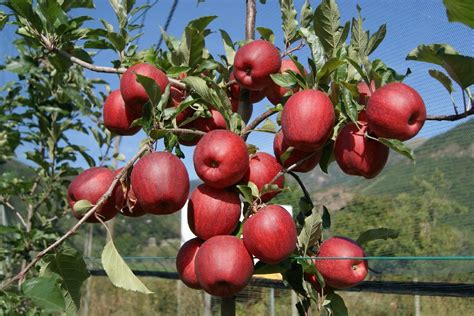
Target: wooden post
(228, 306)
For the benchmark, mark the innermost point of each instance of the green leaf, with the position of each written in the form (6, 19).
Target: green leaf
(3, 20)
(118, 271)
(433, 53)
(460, 68)
(286, 154)
(253, 187)
(266, 34)
(460, 11)
(284, 80)
(228, 46)
(326, 23)
(119, 157)
(289, 23)
(376, 39)
(192, 46)
(326, 157)
(202, 22)
(398, 146)
(246, 192)
(359, 38)
(317, 49)
(337, 305)
(70, 265)
(326, 218)
(443, 79)
(311, 231)
(267, 127)
(306, 15)
(151, 88)
(45, 292)
(329, 67)
(265, 268)
(376, 233)
(200, 86)
(295, 278)
(82, 206)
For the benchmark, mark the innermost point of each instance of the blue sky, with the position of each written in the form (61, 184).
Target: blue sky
(409, 23)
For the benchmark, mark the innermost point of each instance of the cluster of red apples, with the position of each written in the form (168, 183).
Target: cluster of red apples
(218, 261)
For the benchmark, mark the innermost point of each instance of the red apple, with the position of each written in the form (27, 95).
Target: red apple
(262, 169)
(220, 158)
(185, 262)
(396, 111)
(307, 120)
(204, 124)
(223, 266)
(133, 92)
(213, 212)
(254, 63)
(274, 92)
(161, 183)
(118, 118)
(365, 92)
(254, 96)
(341, 273)
(91, 185)
(270, 234)
(358, 155)
(280, 147)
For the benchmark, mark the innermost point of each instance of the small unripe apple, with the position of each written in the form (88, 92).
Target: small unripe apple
(185, 262)
(280, 147)
(118, 118)
(358, 155)
(220, 158)
(223, 266)
(254, 96)
(270, 234)
(274, 92)
(396, 111)
(133, 92)
(365, 92)
(307, 120)
(213, 212)
(263, 168)
(160, 182)
(341, 273)
(254, 63)
(91, 185)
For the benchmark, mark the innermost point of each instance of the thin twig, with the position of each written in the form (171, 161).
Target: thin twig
(293, 166)
(452, 118)
(10, 206)
(174, 82)
(259, 119)
(294, 49)
(71, 231)
(186, 131)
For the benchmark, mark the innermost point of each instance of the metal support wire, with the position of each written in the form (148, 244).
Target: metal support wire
(387, 287)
